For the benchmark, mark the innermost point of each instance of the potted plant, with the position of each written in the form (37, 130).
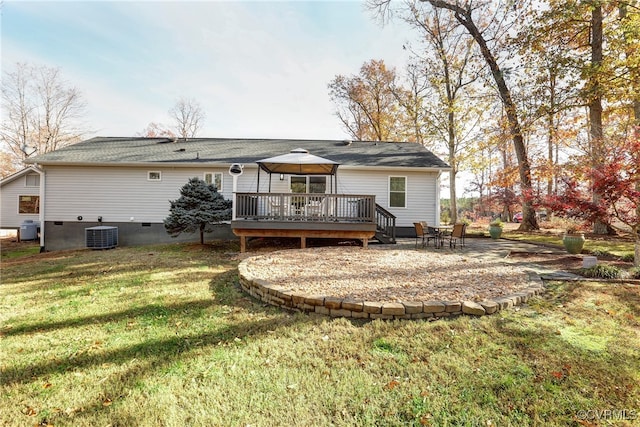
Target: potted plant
(573, 240)
(495, 228)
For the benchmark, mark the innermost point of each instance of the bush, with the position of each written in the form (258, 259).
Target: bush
(602, 271)
(600, 252)
(635, 273)
(627, 258)
(199, 208)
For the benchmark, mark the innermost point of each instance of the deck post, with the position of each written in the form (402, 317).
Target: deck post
(303, 242)
(243, 244)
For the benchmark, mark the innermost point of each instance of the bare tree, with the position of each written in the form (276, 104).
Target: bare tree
(188, 117)
(41, 111)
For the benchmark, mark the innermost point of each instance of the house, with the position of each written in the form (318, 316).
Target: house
(20, 199)
(127, 183)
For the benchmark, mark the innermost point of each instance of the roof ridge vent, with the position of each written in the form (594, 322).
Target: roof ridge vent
(346, 142)
(299, 150)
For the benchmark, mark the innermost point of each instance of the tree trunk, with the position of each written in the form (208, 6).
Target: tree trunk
(634, 72)
(452, 159)
(464, 17)
(595, 105)
(551, 131)
(452, 196)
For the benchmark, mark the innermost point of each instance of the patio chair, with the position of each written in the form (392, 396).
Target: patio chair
(457, 234)
(424, 232)
(316, 207)
(276, 209)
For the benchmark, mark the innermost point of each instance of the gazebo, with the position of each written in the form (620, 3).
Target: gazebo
(303, 215)
(299, 162)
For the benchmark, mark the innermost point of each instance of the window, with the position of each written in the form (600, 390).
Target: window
(214, 178)
(32, 180)
(154, 176)
(309, 184)
(28, 204)
(398, 191)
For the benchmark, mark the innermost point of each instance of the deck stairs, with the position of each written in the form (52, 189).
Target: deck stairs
(385, 226)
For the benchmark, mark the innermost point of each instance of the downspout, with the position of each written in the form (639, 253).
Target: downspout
(437, 206)
(42, 205)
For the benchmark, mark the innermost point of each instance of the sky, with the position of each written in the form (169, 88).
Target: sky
(259, 69)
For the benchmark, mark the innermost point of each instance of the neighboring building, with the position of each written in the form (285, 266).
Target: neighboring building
(20, 198)
(128, 182)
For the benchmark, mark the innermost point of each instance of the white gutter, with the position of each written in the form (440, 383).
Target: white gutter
(42, 204)
(226, 165)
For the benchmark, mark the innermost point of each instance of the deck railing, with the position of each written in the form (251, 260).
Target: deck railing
(305, 207)
(386, 222)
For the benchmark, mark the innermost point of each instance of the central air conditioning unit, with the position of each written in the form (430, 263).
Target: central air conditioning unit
(101, 237)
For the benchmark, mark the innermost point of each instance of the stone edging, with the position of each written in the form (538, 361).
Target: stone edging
(337, 307)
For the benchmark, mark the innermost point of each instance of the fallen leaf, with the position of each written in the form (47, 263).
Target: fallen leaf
(107, 402)
(393, 384)
(46, 385)
(425, 420)
(585, 423)
(29, 411)
(557, 374)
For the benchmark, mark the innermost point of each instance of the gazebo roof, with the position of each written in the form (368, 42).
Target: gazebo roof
(298, 162)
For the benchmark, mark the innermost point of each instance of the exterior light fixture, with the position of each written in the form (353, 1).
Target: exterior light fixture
(281, 177)
(235, 170)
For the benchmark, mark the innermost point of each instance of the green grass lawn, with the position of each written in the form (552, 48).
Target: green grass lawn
(614, 246)
(162, 336)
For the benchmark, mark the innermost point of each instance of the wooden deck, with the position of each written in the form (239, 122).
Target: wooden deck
(304, 215)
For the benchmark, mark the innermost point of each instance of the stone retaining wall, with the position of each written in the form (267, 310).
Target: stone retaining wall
(339, 307)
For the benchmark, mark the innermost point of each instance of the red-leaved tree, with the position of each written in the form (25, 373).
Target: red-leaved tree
(617, 179)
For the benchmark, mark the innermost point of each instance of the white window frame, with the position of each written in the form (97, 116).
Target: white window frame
(31, 185)
(20, 196)
(149, 176)
(213, 180)
(406, 195)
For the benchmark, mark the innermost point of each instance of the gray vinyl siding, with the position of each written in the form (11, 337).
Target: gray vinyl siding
(118, 194)
(421, 192)
(9, 193)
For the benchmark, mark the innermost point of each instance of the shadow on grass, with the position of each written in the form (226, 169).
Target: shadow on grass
(170, 309)
(155, 352)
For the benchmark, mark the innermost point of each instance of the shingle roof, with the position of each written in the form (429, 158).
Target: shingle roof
(114, 150)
